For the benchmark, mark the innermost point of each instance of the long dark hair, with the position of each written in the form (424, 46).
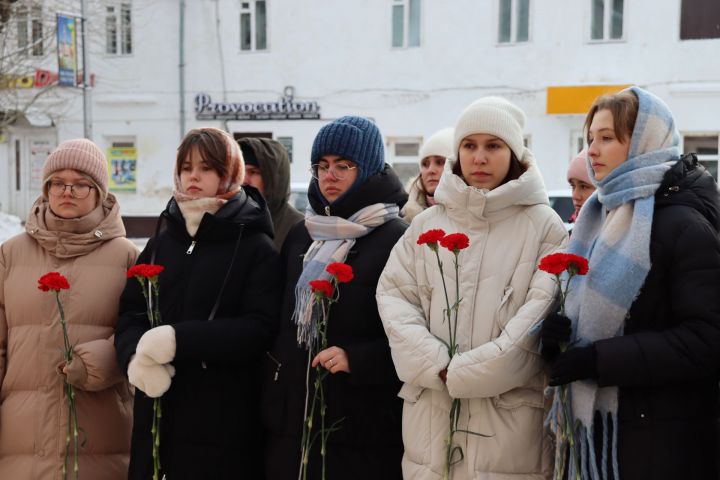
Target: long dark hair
(516, 169)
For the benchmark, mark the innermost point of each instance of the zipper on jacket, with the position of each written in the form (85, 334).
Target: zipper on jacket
(191, 248)
(277, 369)
(327, 210)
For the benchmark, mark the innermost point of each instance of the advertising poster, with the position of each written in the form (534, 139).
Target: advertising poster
(67, 51)
(122, 166)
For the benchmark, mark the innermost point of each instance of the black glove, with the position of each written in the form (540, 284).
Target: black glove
(574, 364)
(556, 330)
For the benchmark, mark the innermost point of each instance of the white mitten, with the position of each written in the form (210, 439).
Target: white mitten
(149, 376)
(158, 343)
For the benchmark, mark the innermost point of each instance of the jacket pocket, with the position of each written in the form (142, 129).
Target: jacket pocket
(519, 397)
(501, 316)
(416, 418)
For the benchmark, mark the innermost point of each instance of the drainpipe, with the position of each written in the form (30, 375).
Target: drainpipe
(181, 68)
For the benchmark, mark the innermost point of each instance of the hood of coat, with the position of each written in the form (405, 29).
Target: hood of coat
(688, 183)
(383, 187)
(416, 200)
(460, 198)
(68, 238)
(247, 210)
(274, 166)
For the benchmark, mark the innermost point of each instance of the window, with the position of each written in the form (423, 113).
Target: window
(606, 19)
(407, 149)
(406, 23)
(699, 19)
(30, 30)
(253, 25)
(118, 29)
(706, 147)
(513, 21)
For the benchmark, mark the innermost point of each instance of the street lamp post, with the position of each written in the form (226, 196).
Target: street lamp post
(87, 107)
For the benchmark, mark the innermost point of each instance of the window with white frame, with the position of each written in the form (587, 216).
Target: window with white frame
(253, 25)
(606, 19)
(405, 23)
(118, 29)
(706, 148)
(513, 21)
(29, 29)
(699, 19)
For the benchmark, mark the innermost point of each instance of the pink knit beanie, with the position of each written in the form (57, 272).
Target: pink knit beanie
(578, 168)
(81, 155)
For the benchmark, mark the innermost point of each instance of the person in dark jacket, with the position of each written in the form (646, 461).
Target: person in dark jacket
(644, 363)
(356, 198)
(267, 168)
(219, 297)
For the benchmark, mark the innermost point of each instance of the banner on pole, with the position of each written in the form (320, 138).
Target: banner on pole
(67, 50)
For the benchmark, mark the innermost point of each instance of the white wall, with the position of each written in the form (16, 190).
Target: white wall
(338, 54)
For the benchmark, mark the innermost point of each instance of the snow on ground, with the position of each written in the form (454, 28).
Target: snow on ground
(9, 226)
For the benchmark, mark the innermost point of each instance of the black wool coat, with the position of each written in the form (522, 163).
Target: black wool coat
(210, 426)
(667, 363)
(369, 442)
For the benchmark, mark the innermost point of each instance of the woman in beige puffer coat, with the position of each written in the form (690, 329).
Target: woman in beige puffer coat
(495, 195)
(83, 239)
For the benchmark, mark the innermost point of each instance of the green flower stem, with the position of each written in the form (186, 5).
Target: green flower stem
(566, 424)
(70, 395)
(150, 288)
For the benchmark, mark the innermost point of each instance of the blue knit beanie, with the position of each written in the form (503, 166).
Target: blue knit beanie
(354, 138)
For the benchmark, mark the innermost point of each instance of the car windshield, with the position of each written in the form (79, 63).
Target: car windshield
(563, 206)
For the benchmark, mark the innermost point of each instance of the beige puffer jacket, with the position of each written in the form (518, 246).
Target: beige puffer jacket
(94, 256)
(499, 372)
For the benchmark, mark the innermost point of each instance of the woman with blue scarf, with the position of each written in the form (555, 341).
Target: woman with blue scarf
(643, 325)
(355, 200)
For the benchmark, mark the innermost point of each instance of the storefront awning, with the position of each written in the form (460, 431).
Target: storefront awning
(576, 99)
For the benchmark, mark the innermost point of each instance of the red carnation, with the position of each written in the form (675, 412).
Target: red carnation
(322, 287)
(455, 242)
(53, 281)
(431, 237)
(557, 263)
(342, 272)
(144, 270)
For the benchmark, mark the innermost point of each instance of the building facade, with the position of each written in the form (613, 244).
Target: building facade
(282, 69)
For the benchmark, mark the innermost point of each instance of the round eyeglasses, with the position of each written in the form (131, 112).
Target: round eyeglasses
(79, 190)
(339, 170)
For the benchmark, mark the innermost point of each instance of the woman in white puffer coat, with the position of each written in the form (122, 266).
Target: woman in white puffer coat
(494, 194)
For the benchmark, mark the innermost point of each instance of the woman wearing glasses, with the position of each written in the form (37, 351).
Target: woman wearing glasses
(355, 198)
(74, 228)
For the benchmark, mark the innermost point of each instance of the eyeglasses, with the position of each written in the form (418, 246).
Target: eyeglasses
(79, 190)
(339, 170)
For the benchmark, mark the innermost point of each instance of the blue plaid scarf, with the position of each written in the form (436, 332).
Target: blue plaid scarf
(613, 232)
(332, 239)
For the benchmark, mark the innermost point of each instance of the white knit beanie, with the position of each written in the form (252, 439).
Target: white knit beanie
(493, 116)
(439, 143)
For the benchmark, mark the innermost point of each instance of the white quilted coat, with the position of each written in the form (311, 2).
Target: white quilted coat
(499, 372)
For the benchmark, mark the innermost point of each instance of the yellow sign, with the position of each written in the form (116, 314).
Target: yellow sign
(122, 165)
(568, 100)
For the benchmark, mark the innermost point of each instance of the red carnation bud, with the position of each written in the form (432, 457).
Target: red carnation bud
(53, 281)
(144, 270)
(455, 242)
(557, 263)
(431, 238)
(322, 287)
(342, 272)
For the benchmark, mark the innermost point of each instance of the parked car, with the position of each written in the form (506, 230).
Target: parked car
(561, 202)
(298, 196)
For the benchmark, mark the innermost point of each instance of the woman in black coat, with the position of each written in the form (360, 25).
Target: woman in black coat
(663, 365)
(219, 296)
(351, 183)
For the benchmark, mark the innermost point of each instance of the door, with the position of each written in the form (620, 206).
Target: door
(29, 149)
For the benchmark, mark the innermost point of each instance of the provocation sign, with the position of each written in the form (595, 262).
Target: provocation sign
(285, 108)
